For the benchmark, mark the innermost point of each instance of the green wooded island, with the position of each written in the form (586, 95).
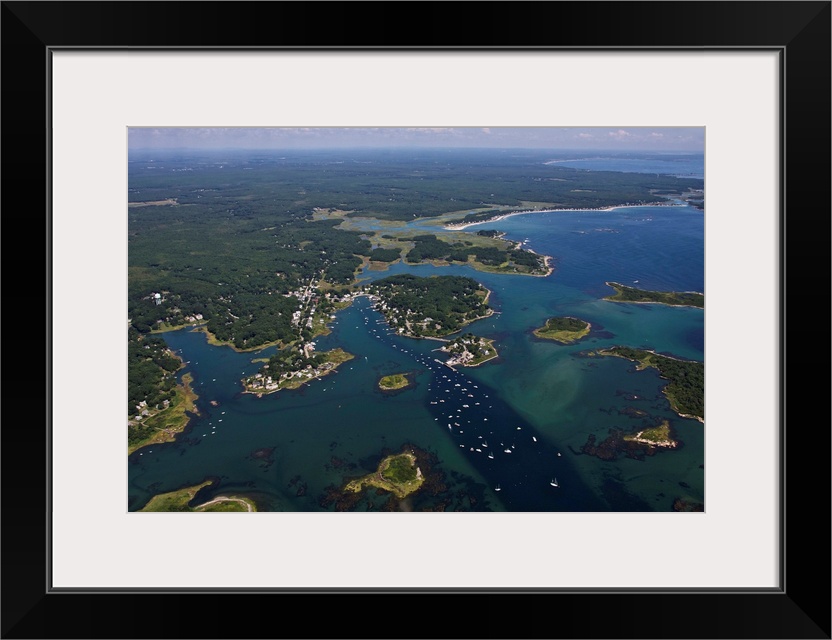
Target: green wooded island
(686, 386)
(565, 330)
(395, 382)
(624, 293)
(397, 474)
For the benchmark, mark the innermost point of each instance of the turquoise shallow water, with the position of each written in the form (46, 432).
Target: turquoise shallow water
(287, 448)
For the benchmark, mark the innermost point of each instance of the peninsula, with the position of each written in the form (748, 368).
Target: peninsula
(158, 407)
(180, 499)
(686, 386)
(624, 293)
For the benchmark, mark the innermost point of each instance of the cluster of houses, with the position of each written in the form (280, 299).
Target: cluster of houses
(309, 296)
(260, 382)
(142, 410)
(462, 356)
(392, 317)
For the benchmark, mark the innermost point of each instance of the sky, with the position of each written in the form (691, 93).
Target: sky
(690, 139)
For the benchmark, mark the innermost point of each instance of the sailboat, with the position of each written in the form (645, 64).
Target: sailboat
(554, 482)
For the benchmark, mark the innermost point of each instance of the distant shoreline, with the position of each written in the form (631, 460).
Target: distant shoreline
(503, 216)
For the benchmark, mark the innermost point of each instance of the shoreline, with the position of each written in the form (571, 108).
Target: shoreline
(167, 433)
(262, 391)
(546, 262)
(503, 216)
(655, 353)
(689, 415)
(454, 366)
(641, 366)
(215, 342)
(249, 504)
(690, 306)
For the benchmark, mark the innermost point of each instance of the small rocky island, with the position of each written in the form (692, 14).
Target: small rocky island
(658, 436)
(396, 382)
(397, 474)
(565, 330)
(646, 442)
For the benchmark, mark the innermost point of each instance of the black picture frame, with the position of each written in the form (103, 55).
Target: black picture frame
(799, 31)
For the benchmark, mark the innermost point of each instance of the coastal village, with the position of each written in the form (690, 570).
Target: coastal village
(299, 362)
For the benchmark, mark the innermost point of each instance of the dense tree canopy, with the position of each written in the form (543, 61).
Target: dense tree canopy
(435, 306)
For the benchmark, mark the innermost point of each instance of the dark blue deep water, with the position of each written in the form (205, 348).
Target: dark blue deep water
(517, 422)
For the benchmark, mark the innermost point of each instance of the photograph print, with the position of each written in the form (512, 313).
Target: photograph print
(417, 319)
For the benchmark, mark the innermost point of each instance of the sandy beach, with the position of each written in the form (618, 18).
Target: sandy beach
(503, 216)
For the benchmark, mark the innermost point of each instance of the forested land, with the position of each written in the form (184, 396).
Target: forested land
(157, 407)
(240, 232)
(228, 239)
(150, 372)
(434, 306)
(428, 247)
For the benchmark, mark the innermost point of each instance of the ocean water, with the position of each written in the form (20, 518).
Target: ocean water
(516, 423)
